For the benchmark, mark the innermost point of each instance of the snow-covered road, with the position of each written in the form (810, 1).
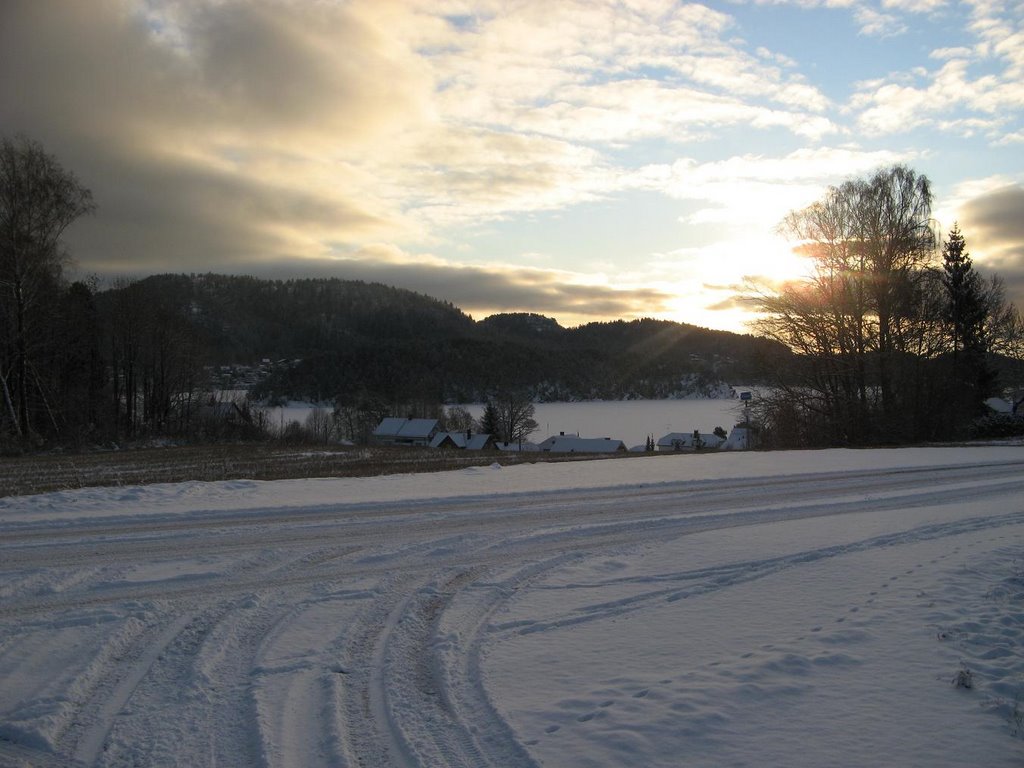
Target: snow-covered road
(807, 608)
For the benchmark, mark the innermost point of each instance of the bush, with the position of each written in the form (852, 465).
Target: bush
(996, 425)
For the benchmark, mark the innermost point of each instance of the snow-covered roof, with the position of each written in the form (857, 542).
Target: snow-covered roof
(574, 444)
(459, 440)
(408, 428)
(999, 404)
(477, 442)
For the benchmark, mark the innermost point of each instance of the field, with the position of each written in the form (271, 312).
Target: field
(804, 609)
(60, 471)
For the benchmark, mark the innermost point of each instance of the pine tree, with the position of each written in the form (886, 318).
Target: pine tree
(490, 423)
(965, 299)
(966, 314)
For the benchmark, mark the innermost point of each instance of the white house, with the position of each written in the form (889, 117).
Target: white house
(689, 441)
(574, 444)
(392, 431)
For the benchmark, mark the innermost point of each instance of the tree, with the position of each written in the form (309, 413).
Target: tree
(490, 421)
(39, 200)
(870, 240)
(457, 419)
(863, 322)
(887, 347)
(510, 415)
(968, 306)
(319, 425)
(965, 300)
(356, 417)
(77, 367)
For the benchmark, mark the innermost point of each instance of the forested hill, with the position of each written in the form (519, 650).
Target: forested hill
(348, 338)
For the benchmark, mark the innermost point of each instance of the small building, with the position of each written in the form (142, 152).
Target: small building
(574, 444)
(690, 441)
(392, 431)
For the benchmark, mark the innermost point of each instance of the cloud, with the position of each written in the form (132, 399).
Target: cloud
(755, 191)
(979, 85)
(223, 132)
(222, 141)
(993, 224)
(288, 135)
(876, 24)
(570, 297)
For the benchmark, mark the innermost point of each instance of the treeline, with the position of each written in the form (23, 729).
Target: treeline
(136, 358)
(896, 337)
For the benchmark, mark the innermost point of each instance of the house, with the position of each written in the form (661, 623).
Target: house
(690, 441)
(392, 431)
(563, 443)
(464, 440)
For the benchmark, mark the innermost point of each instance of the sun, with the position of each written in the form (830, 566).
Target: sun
(711, 284)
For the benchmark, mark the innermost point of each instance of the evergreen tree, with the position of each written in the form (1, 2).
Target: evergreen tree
(965, 300)
(966, 314)
(490, 421)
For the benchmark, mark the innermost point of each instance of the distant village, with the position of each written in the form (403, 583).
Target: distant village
(427, 433)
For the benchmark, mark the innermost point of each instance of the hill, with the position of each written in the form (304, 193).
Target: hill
(345, 339)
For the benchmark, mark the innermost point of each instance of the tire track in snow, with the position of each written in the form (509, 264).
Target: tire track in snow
(419, 637)
(706, 580)
(300, 523)
(589, 528)
(108, 704)
(368, 734)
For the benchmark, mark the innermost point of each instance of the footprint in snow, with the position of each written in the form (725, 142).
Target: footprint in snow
(552, 728)
(641, 694)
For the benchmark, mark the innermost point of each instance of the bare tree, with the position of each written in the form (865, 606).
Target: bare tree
(457, 419)
(39, 200)
(513, 414)
(319, 425)
(870, 240)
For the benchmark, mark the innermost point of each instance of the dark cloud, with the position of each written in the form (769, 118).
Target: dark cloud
(993, 225)
(200, 142)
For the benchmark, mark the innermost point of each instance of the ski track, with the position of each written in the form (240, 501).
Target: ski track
(393, 606)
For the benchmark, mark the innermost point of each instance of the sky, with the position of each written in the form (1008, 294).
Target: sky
(583, 159)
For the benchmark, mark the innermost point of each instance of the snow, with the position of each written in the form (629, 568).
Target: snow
(761, 609)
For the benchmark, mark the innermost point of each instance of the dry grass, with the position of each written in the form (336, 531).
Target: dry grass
(61, 471)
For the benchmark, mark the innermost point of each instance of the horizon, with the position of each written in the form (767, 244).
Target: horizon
(105, 284)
